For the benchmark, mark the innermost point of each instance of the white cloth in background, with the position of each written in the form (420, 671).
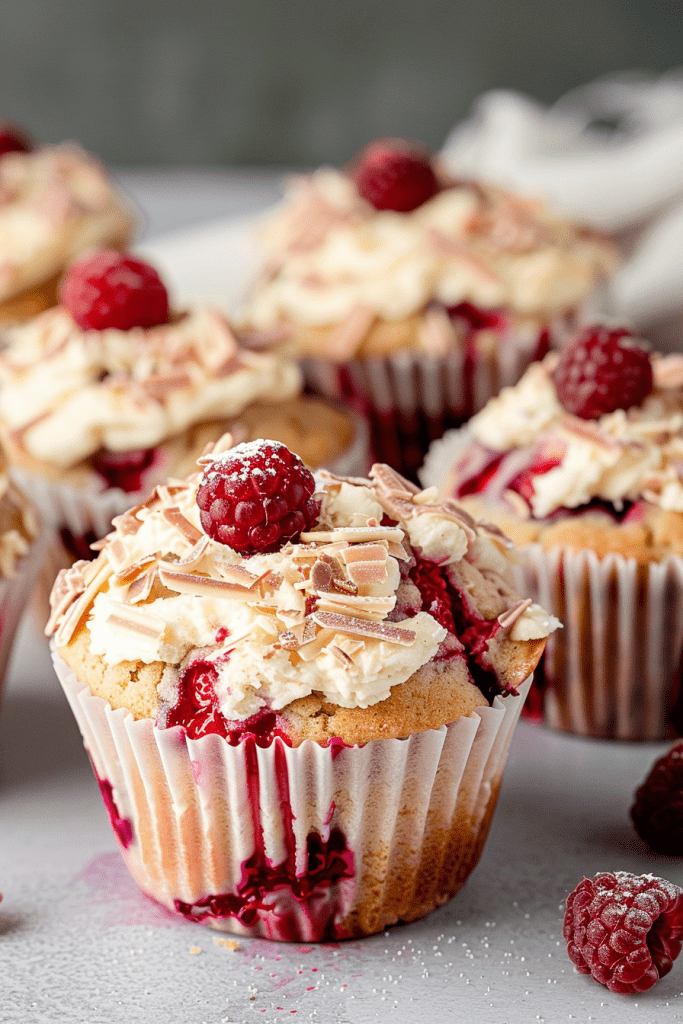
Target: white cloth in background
(610, 153)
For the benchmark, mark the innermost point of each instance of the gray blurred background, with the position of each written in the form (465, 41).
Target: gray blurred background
(300, 82)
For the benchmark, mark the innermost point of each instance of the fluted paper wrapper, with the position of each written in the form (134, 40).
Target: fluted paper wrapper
(14, 593)
(411, 399)
(299, 844)
(614, 671)
(87, 511)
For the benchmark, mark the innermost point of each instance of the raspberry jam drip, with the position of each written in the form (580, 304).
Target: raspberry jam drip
(197, 710)
(271, 898)
(482, 477)
(478, 319)
(123, 827)
(453, 611)
(124, 469)
(274, 897)
(429, 579)
(327, 863)
(523, 483)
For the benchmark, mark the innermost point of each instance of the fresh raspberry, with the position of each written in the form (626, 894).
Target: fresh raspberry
(657, 813)
(108, 289)
(123, 469)
(256, 497)
(624, 929)
(602, 371)
(13, 139)
(393, 175)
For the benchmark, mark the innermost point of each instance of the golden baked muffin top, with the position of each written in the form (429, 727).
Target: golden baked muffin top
(350, 595)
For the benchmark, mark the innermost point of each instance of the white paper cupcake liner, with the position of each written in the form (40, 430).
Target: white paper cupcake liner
(87, 511)
(14, 593)
(300, 844)
(411, 399)
(614, 671)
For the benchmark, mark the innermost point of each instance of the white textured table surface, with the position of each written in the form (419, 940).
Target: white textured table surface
(79, 944)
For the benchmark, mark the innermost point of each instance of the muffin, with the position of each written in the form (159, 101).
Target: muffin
(298, 715)
(580, 463)
(414, 294)
(21, 552)
(55, 202)
(108, 394)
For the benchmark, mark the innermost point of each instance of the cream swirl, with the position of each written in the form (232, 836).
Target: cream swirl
(330, 253)
(333, 614)
(55, 202)
(622, 456)
(66, 393)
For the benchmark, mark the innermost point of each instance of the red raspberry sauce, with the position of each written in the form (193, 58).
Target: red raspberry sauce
(124, 469)
(312, 892)
(452, 609)
(123, 827)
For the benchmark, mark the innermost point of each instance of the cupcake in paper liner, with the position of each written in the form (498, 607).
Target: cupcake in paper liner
(56, 202)
(109, 393)
(414, 295)
(298, 712)
(581, 464)
(21, 554)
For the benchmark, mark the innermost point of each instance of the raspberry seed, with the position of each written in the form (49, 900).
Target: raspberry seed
(625, 930)
(256, 497)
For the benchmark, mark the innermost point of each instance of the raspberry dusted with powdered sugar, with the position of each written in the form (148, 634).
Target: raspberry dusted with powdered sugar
(393, 175)
(623, 929)
(657, 813)
(256, 497)
(13, 139)
(602, 370)
(108, 289)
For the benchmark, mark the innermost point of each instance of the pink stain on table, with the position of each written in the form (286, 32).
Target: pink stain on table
(110, 886)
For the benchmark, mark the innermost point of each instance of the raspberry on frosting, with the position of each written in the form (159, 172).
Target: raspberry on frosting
(256, 497)
(109, 289)
(625, 930)
(393, 175)
(601, 371)
(13, 139)
(657, 812)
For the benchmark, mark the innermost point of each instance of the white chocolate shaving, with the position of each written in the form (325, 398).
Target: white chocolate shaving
(364, 627)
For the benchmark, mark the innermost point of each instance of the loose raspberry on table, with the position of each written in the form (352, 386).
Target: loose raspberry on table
(657, 813)
(13, 139)
(256, 497)
(623, 929)
(395, 175)
(602, 370)
(108, 289)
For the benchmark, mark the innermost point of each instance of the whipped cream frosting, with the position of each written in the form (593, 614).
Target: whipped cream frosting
(327, 614)
(331, 254)
(55, 202)
(66, 393)
(623, 456)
